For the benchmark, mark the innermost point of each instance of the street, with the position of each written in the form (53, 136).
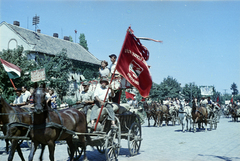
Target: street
(165, 144)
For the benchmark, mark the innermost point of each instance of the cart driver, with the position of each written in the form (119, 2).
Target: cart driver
(19, 98)
(86, 97)
(99, 96)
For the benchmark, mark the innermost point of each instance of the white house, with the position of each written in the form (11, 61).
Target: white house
(37, 43)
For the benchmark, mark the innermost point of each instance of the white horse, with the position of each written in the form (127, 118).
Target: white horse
(185, 117)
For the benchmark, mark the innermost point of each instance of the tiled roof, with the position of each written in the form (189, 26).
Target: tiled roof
(51, 45)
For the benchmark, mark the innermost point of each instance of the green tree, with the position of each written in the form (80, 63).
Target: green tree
(83, 41)
(18, 58)
(57, 70)
(234, 89)
(191, 91)
(70, 38)
(169, 88)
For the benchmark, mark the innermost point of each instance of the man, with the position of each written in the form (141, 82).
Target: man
(19, 99)
(112, 67)
(25, 94)
(203, 102)
(238, 103)
(86, 97)
(99, 96)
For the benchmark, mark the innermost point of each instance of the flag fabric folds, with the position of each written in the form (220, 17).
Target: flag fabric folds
(132, 65)
(129, 95)
(218, 99)
(12, 70)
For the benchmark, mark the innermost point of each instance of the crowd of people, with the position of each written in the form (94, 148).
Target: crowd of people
(24, 98)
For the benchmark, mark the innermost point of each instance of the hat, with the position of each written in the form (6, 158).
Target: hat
(85, 83)
(18, 89)
(104, 80)
(113, 55)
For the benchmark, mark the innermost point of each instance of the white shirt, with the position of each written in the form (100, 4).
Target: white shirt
(86, 96)
(112, 68)
(101, 92)
(104, 72)
(18, 99)
(47, 96)
(25, 96)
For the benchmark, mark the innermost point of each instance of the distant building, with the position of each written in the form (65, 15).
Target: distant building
(12, 36)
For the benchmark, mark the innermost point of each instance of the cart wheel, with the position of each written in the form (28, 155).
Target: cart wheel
(113, 142)
(134, 139)
(77, 153)
(101, 148)
(211, 124)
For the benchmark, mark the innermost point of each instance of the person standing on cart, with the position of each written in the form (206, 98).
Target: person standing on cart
(85, 98)
(99, 96)
(112, 67)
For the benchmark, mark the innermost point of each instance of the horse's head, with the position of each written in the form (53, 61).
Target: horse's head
(39, 99)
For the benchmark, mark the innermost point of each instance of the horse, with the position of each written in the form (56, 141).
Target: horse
(173, 113)
(162, 114)
(13, 115)
(50, 125)
(235, 112)
(199, 115)
(151, 113)
(184, 115)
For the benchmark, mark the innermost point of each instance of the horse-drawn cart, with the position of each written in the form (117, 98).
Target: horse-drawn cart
(108, 140)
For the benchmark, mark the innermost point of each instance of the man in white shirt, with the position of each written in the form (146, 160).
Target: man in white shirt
(85, 99)
(99, 96)
(25, 94)
(112, 67)
(117, 75)
(19, 99)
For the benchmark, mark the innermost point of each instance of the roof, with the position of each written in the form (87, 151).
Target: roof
(51, 45)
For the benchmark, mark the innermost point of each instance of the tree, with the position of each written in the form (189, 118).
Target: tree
(18, 58)
(234, 89)
(169, 88)
(57, 70)
(191, 91)
(83, 41)
(70, 38)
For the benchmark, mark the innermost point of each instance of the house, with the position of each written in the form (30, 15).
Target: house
(39, 44)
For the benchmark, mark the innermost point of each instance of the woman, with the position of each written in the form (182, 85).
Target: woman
(103, 70)
(52, 98)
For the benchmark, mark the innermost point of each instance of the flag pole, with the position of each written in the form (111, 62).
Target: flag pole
(108, 87)
(13, 84)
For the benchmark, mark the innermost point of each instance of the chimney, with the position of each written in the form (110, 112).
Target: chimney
(16, 23)
(55, 35)
(38, 31)
(66, 38)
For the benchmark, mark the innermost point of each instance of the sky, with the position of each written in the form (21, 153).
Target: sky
(201, 39)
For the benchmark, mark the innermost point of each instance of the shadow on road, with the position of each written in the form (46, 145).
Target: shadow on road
(221, 157)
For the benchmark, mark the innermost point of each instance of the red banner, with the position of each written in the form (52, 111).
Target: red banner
(132, 65)
(129, 95)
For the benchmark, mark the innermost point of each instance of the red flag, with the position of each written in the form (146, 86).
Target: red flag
(218, 99)
(75, 31)
(143, 99)
(232, 100)
(129, 95)
(132, 65)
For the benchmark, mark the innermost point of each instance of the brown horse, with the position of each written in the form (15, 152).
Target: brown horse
(162, 114)
(50, 126)
(151, 112)
(12, 116)
(235, 112)
(199, 115)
